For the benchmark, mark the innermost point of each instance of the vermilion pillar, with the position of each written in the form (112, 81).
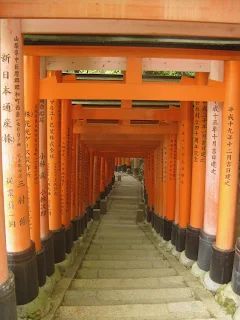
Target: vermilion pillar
(214, 128)
(7, 284)
(222, 251)
(102, 178)
(176, 210)
(198, 173)
(21, 251)
(160, 194)
(66, 119)
(46, 235)
(91, 177)
(165, 163)
(54, 176)
(185, 137)
(73, 187)
(171, 187)
(31, 102)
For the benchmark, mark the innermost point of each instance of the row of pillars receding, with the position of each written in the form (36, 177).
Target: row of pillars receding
(124, 165)
(191, 184)
(50, 181)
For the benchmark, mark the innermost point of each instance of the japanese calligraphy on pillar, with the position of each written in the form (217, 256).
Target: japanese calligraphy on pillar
(199, 131)
(182, 152)
(13, 145)
(54, 159)
(229, 146)
(43, 158)
(172, 157)
(214, 137)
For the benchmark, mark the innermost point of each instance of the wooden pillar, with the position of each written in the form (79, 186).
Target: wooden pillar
(7, 284)
(171, 187)
(222, 251)
(46, 235)
(54, 176)
(176, 215)
(102, 178)
(21, 251)
(214, 128)
(185, 136)
(198, 173)
(161, 218)
(91, 177)
(66, 118)
(31, 102)
(74, 187)
(165, 164)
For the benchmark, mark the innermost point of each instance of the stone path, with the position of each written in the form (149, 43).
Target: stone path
(126, 275)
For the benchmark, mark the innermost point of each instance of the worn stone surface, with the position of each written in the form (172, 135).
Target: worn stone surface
(126, 272)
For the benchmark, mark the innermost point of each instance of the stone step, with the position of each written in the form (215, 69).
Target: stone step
(98, 297)
(119, 236)
(123, 246)
(166, 311)
(143, 253)
(144, 283)
(118, 232)
(105, 224)
(117, 257)
(88, 273)
(146, 264)
(121, 241)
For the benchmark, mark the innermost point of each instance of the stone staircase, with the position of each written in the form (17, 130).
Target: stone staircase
(126, 275)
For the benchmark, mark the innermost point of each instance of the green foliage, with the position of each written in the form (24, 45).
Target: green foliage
(154, 73)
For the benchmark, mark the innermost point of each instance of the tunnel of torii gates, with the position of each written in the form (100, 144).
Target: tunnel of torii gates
(59, 158)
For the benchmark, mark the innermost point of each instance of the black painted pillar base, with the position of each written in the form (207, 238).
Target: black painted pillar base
(59, 245)
(161, 225)
(152, 218)
(192, 243)
(173, 234)
(154, 221)
(157, 224)
(236, 269)
(180, 238)
(102, 195)
(129, 167)
(69, 238)
(124, 168)
(75, 229)
(113, 179)
(148, 215)
(106, 191)
(205, 250)
(80, 226)
(221, 266)
(97, 205)
(167, 229)
(89, 213)
(47, 244)
(85, 219)
(115, 168)
(8, 310)
(24, 267)
(41, 268)
(119, 168)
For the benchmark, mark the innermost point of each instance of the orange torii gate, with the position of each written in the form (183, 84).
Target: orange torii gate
(171, 157)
